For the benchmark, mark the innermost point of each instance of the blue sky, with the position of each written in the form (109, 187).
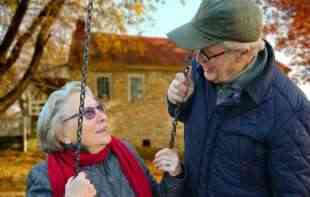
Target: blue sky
(169, 16)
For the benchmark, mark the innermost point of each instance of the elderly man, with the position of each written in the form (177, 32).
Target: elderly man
(247, 126)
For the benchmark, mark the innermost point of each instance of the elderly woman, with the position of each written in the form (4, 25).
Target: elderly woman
(109, 166)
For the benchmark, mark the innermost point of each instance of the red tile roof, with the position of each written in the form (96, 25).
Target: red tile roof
(126, 50)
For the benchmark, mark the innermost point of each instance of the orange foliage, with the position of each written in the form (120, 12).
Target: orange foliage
(296, 17)
(138, 8)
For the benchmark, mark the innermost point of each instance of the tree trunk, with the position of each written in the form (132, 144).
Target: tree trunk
(16, 51)
(7, 100)
(14, 94)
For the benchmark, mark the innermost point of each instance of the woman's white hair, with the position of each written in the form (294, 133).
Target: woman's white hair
(245, 46)
(50, 117)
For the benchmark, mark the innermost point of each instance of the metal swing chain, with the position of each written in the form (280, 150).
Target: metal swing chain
(83, 84)
(178, 109)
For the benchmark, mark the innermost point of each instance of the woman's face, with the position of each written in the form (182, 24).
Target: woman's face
(95, 134)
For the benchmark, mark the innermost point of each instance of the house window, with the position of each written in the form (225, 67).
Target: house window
(135, 87)
(104, 86)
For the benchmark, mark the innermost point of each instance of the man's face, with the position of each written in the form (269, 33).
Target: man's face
(219, 64)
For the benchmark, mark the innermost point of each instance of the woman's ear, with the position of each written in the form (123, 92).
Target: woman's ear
(61, 135)
(67, 140)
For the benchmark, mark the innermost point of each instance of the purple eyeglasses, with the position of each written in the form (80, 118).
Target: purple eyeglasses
(89, 112)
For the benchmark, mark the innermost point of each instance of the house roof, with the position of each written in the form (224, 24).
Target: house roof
(130, 51)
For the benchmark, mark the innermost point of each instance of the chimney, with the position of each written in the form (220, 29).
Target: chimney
(79, 33)
(76, 48)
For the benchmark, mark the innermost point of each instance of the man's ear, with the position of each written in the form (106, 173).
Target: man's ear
(244, 51)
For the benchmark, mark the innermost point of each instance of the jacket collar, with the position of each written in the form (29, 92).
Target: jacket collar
(258, 88)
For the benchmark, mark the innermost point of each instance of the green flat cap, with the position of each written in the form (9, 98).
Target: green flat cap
(220, 20)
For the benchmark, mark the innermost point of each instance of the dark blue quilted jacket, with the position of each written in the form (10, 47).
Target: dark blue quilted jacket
(257, 146)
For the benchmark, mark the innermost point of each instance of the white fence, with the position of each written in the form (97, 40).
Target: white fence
(16, 127)
(35, 107)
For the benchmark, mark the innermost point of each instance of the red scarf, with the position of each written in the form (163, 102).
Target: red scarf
(61, 166)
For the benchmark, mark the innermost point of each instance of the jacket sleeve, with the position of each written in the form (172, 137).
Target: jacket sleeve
(168, 187)
(38, 183)
(289, 156)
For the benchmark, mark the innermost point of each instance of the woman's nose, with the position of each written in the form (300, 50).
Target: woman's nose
(101, 116)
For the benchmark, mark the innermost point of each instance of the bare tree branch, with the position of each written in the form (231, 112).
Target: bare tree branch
(12, 31)
(14, 94)
(47, 11)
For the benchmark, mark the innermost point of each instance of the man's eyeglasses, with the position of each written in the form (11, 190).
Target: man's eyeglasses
(203, 58)
(89, 112)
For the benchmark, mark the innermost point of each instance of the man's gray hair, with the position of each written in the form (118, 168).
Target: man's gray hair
(255, 46)
(50, 117)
